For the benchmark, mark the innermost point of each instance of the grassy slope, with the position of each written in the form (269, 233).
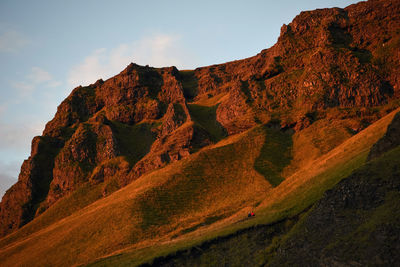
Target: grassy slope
(132, 151)
(262, 245)
(359, 237)
(164, 204)
(287, 200)
(206, 117)
(189, 83)
(307, 184)
(135, 141)
(181, 201)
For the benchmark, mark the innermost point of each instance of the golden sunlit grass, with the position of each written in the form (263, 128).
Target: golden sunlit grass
(206, 187)
(205, 100)
(308, 183)
(203, 196)
(318, 139)
(288, 199)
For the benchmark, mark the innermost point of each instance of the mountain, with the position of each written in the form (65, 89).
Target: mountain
(163, 165)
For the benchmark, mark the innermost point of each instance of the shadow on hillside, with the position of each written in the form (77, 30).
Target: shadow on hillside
(189, 83)
(275, 154)
(206, 117)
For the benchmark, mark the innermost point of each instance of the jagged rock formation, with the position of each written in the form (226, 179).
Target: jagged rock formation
(140, 119)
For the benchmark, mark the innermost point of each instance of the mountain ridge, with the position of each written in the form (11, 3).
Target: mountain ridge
(332, 73)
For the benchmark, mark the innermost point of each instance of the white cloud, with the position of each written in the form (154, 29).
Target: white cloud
(16, 136)
(6, 181)
(15, 140)
(54, 83)
(23, 87)
(36, 77)
(159, 50)
(39, 75)
(12, 41)
(3, 108)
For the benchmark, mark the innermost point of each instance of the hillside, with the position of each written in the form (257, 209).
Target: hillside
(158, 160)
(354, 223)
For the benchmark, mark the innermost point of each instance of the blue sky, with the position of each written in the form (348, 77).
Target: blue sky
(47, 48)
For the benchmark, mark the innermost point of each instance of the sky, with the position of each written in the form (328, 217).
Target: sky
(47, 48)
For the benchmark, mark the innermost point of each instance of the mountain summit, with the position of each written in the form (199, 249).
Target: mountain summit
(159, 156)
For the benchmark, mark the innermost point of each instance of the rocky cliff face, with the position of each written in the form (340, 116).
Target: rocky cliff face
(140, 119)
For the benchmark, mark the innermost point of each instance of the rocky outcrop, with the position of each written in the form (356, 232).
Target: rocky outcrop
(20, 202)
(235, 113)
(390, 140)
(176, 115)
(166, 149)
(324, 59)
(90, 145)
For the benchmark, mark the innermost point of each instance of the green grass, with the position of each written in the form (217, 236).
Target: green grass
(296, 203)
(189, 83)
(206, 117)
(134, 141)
(207, 221)
(183, 194)
(362, 224)
(290, 207)
(274, 156)
(196, 182)
(146, 255)
(151, 216)
(311, 191)
(304, 195)
(83, 196)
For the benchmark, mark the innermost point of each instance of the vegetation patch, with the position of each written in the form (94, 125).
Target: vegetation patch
(80, 198)
(189, 83)
(207, 221)
(274, 156)
(206, 117)
(134, 141)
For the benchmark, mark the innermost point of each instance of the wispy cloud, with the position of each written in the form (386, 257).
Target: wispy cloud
(12, 41)
(3, 108)
(156, 50)
(23, 87)
(16, 135)
(39, 75)
(36, 77)
(14, 140)
(54, 83)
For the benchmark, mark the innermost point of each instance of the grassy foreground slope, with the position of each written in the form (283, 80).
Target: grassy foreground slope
(357, 222)
(280, 205)
(209, 186)
(204, 196)
(354, 224)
